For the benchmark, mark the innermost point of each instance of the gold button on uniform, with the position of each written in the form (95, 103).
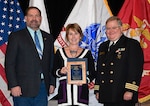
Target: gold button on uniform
(111, 63)
(102, 72)
(111, 72)
(102, 81)
(111, 81)
(103, 64)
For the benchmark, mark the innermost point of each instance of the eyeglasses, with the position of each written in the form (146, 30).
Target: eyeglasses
(112, 28)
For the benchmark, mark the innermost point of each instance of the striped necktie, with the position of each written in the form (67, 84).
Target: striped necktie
(38, 46)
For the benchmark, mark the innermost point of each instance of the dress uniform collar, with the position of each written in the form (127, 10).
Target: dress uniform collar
(112, 42)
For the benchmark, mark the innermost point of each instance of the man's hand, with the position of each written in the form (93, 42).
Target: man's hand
(128, 95)
(51, 89)
(16, 91)
(97, 96)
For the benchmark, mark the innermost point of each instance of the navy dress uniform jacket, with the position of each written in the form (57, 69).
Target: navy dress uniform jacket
(119, 70)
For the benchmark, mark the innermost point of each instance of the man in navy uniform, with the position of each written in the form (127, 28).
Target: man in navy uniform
(119, 67)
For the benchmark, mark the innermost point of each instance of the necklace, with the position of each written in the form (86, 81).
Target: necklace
(73, 53)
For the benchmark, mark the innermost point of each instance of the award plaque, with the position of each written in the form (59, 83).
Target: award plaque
(77, 70)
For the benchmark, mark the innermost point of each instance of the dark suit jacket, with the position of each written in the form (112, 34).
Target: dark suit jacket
(119, 70)
(23, 65)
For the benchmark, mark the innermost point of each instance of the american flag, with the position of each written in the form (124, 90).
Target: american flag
(11, 19)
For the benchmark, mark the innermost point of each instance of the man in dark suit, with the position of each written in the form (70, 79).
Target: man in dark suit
(28, 71)
(119, 67)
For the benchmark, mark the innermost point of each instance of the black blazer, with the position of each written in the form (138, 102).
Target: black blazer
(119, 70)
(23, 64)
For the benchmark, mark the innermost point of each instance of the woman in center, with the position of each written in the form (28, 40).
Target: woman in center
(76, 94)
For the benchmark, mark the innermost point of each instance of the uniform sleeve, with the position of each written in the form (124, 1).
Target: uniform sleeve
(135, 66)
(97, 80)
